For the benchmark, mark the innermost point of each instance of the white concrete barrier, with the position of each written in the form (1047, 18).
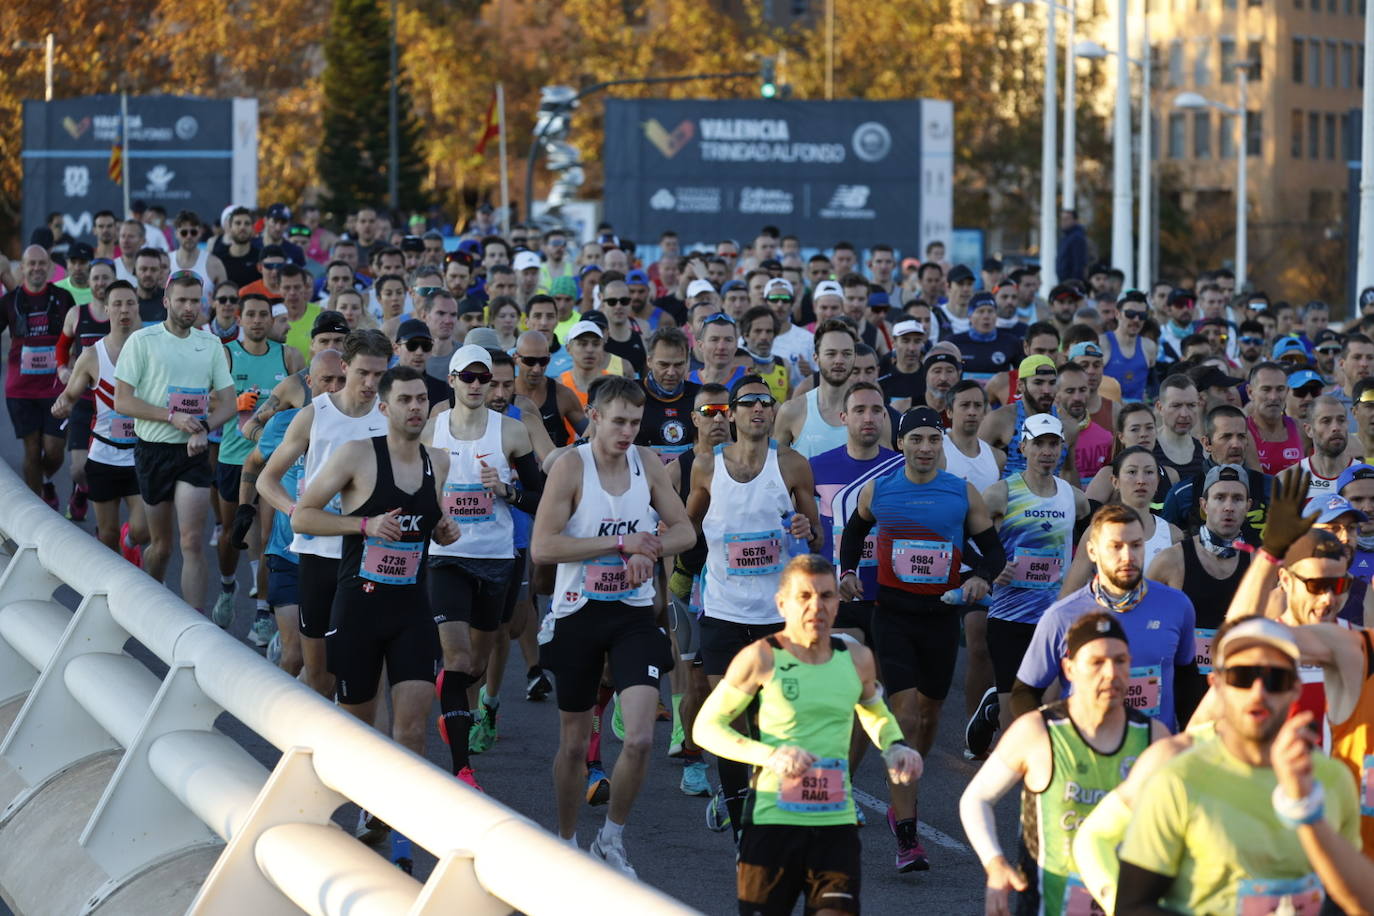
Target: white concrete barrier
(116, 791)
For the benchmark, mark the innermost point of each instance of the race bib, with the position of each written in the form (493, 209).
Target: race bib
(468, 503)
(1297, 896)
(122, 429)
(606, 579)
(1202, 645)
(1077, 900)
(37, 360)
(194, 401)
(819, 789)
(391, 562)
(1143, 689)
(870, 554)
(1037, 567)
(1367, 786)
(922, 562)
(753, 553)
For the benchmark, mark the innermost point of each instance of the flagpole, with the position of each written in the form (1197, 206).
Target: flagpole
(124, 141)
(505, 178)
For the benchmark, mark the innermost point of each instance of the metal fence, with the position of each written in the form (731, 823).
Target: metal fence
(173, 806)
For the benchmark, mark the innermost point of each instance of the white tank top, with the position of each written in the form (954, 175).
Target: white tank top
(599, 514)
(1163, 539)
(1320, 487)
(745, 555)
(487, 529)
(982, 471)
(330, 428)
(816, 435)
(110, 424)
(200, 267)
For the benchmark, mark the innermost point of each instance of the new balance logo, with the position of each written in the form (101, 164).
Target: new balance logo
(1152, 625)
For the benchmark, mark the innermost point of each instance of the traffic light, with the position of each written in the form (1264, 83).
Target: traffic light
(768, 78)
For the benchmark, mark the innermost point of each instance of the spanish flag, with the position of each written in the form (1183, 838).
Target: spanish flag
(492, 128)
(115, 169)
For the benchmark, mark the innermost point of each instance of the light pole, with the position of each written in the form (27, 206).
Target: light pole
(1121, 153)
(392, 138)
(1070, 193)
(1193, 101)
(1364, 264)
(49, 47)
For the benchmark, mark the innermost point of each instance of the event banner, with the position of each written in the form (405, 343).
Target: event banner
(860, 171)
(179, 153)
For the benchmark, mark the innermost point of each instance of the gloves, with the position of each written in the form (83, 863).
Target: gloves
(248, 401)
(243, 520)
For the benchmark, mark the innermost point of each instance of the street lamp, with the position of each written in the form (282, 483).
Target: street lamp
(1364, 264)
(48, 47)
(1193, 101)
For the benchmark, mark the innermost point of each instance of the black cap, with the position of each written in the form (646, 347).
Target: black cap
(959, 274)
(329, 322)
(412, 243)
(271, 251)
(917, 417)
(1092, 627)
(1325, 335)
(1101, 267)
(139, 206)
(279, 211)
(597, 318)
(471, 304)
(1066, 291)
(411, 328)
(1182, 295)
(80, 251)
(992, 264)
(1209, 376)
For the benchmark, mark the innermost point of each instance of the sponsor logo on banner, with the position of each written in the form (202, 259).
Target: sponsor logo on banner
(687, 200)
(765, 200)
(76, 181)
(761, 140)
(663, 199)
(872, 141)
(850, 201)
(76, 128)
(159, 177)
(669, 144)
(186, 127)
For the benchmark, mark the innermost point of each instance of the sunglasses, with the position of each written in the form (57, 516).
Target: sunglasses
(713, 410)
(1307, 391)
(718, 318)
(1251, 341)
(779, 299)
(1329, 351)
(767, 400)
(1275, 680)
(428, 290)
(467, 378)
(272, 265)
(535, 360)
(1320, 585)
(459, 257)
(558, 243)
(419, 344)
(187, 232)
(1135, 315)
(227, 300)
(617, 300)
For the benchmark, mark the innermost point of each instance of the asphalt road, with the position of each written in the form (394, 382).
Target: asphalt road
(667, 839)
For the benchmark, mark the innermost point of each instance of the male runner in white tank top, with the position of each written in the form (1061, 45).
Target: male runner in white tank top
(811, 423)
(190, 256)
(610, 513)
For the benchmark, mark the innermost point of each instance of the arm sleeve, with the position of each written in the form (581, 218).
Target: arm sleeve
(1025, 698)
(713, 731)
(531, 483)
(64, 349)
(856, 529)
(993, 556)
(1094, 848)
(993, 780)
(878, 722)
(1140, 891)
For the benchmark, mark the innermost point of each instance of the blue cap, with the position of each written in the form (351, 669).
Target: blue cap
(1353, 473)
(588, 269)
(879, 300)
(981, 299)
(1304, 377)
(732, 286)
(471, 246)
(1330, 508)
(636, 278)
(1285, 345)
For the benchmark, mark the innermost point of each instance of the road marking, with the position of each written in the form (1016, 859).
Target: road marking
(927, 832)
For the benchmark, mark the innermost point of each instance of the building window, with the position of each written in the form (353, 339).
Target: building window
(1295, 125)
(1176, 63)
(1349, 149)
(1177, 132)
(1254, 54)
(1202, 66)
(1202, 135)
(1227, 134)
(1359, 60)
(1314, 63)
(1347, 65)
(1331, 137)
(1314, 135)
(1299, 49)
(1332, 58)
(1254, 133)
(1228, 60)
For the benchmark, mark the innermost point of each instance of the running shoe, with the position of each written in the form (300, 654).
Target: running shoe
(274, 649)
(717, 814)
(223, 613)
(253, 592)
(77, 504)
(214, 535)
(598, 786)
(694, 779)
(613, 854)
(482, 735)
(50, 495)
(371, 829)
(678, 737)
(538, 687)
(466, 775)
(264, 628)
(129, 551)
(982, 726)
(617, 723)
(911, 855)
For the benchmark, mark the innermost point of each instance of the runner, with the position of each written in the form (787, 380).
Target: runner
(666, 427)
(173, 380)
(470, 579)
(924, 516)
(324, 424)
(1092, 442)
(110, 467)
(33, 312)
(1329, 432)
(1132, 356)
(900, 372)
(986, 349)
(799, 837)
(388, 490)
(1277, 437)
(554, 401)
(1226, 439)
(623, 336)
(753, 504)
(757, 328)
(1157, 619)
(806, 422)
(1135, 427)
(329, 333)
(83, 326)
(1035, 513)
(1177, 448)
(1066, 755)
(1037, 381)
(599, 523)
(717, 351)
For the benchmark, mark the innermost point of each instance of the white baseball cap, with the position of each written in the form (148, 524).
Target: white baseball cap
(466, 355)
(524, 260)
(697, 287)
(777, 285)
(910, 326)
(1041, 424)
(585, 327)
(828, 288)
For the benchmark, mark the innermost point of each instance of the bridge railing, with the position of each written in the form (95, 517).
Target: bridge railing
(173, 786)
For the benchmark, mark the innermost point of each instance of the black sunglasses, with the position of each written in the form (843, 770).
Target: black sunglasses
(535, 360)
(767, 400)
(419, 343)
(1252, 341)
(1275, 680)
(1319, 585)
(272, 265)
(227, 300)
(467, 378)
(617, 300)
(1135, 315)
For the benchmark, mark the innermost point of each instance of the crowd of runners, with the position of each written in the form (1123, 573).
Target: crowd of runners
(782, 482)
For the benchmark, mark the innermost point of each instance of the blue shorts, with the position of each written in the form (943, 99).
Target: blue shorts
(283, 577)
